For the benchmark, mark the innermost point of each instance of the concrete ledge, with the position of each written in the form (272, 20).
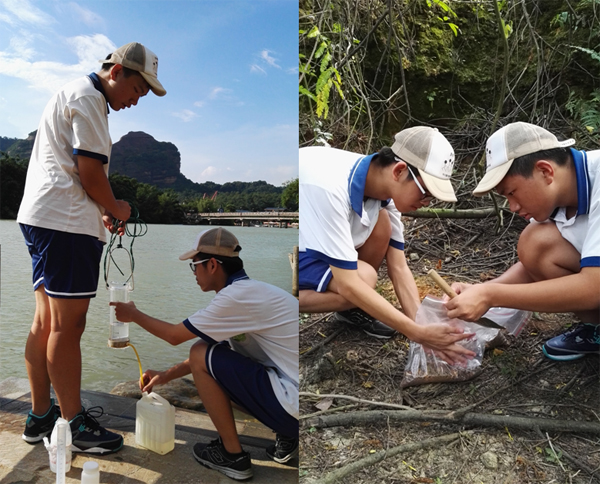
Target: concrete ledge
(24, 463)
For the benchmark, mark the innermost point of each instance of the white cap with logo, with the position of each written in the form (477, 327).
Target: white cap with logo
(510, 142)
(430, 152)
(141, 59)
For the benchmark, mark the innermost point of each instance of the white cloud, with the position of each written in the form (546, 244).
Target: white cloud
(50, 76)
(219, 93)
(89, 18)
(257, 69)
(292, 70)
(6, 19)
(264, 55)
(199, 104)
(185, 115)
(24, 11)
(208, 172)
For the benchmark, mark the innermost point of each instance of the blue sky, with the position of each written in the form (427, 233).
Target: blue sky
(230, 68)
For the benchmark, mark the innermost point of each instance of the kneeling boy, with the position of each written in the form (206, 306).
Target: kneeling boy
(558, 190)
(257, 371)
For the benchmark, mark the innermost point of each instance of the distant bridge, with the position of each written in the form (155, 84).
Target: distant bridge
(281, 219)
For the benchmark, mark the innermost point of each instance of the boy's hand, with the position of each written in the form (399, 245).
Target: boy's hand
(443, 337)
(123, 211)
(107, 220)
(470, 304)
(151, 378)
(125, 312)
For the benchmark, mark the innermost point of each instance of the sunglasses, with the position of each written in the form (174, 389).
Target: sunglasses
(425, 193)
(194, 264)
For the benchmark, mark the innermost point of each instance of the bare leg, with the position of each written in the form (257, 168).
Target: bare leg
(64, 352)
(35, 354)
(374, 249)
(214, 398)
(370, 257)
(545, 254)
(330, 300)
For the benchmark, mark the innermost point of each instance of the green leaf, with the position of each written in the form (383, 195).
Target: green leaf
(306, 92)
(314, 32)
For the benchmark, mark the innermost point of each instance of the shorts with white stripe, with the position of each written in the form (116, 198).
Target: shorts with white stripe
(68, 265)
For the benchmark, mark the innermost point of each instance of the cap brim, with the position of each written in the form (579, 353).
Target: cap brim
(491, 179)
(188, 255)
(439, 188)
(155, 85)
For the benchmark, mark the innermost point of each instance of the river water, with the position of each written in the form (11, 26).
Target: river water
(164, 288)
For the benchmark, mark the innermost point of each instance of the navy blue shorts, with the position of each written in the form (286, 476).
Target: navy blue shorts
(68, 265)
(247, 383)
(315, 274)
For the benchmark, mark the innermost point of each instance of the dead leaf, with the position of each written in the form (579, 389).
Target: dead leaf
(325, 404)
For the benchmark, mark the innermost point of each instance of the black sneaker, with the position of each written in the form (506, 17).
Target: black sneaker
(360, 319)
(214, 456)
(36, 428)
(582, 340)
(285, 449)
(90, 437)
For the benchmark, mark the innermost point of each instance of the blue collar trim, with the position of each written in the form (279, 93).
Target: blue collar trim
(238, 276)
(356, 182)
(583, 181)
(98, 85)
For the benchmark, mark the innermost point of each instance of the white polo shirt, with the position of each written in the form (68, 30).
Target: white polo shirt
(583, 229)
(335, 217)
(75, 121)
(265, 318)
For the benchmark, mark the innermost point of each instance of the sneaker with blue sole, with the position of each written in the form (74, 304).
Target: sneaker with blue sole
(37, 427)
(90, 437)
(582, 340)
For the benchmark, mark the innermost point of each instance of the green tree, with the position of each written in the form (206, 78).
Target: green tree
(289, 197)
(13, 172)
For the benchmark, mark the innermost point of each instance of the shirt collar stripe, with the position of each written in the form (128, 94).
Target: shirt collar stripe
(583, 181)
(357, 181)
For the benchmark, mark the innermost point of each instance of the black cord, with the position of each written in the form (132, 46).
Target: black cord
(134, 228)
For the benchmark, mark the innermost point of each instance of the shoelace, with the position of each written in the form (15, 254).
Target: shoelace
(91, 415)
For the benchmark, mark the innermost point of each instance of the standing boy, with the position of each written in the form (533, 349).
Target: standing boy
(557, 189)
(350, 220)
(247, 354)
(67, 204)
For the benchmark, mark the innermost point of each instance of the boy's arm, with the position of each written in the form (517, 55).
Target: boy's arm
(575, 292)
(436, 335)
(152, 377)
(403, 281)
(95, 183)
(171, 333)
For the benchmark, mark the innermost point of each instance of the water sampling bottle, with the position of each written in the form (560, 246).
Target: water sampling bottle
(155, 423)
(118, 334)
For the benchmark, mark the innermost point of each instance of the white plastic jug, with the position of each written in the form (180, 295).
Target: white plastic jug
(155, 423)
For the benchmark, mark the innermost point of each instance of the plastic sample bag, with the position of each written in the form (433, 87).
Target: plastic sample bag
(425, 366)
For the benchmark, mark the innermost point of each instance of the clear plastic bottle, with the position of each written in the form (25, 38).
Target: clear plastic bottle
(90, 473)
(118, 334)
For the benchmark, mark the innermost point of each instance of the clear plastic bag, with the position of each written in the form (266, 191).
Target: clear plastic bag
(425, 366)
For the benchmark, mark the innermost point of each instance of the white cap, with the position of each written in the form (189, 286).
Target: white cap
(430, 152)
(141, 59)
(510, 142)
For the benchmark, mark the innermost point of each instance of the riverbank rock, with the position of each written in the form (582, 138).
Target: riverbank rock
(180, 393)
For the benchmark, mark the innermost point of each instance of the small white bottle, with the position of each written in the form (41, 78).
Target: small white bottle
(90, 473)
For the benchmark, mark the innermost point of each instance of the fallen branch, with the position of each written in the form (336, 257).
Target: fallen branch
(355, 399)
(377, 457)
(449, 213)
(322, 343)
(473, 419)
